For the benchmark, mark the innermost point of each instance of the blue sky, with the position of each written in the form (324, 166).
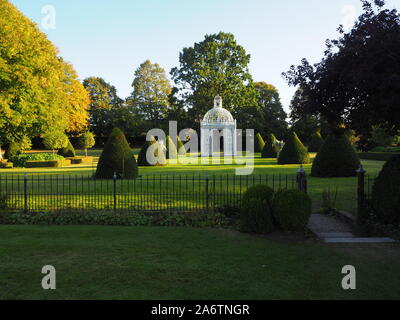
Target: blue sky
(111, 38)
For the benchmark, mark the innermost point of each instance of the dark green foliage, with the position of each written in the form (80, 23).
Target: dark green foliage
(172, 153)
(12, 150)
(316, 142)
(259, 145)
(22, 159)
(67, 151)
(292, 209)
(293, 152)
(270, 149)
(117, 157)
(256, 213)
(155, 156)
(386, 192)
(336, 158)
(380, 156)
(181, 147)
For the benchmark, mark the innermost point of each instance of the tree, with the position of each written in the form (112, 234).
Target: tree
(215, 66)
(117, 158)
(55, 140)
(316, 142)
(358, 80)
(86, 141)
(259, 143)
(293, 152)
(380, 137)
(270, 149)
(151, 89)
(67, 151)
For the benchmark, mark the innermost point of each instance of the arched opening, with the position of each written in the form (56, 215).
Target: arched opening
(221, 141)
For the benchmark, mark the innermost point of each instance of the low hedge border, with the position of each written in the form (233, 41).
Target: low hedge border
(6, 165)
(380, 156)
(80, 160)
(47, 163)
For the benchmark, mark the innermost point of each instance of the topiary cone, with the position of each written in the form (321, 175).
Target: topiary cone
(316, 142)
(270, 149)
(336, 158)
(67, 151)
(293, 152)
(117, 157)
(172, 153)
(180, 147)
(259, 143)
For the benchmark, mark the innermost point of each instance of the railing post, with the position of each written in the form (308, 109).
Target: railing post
(361, 214)
(115, 190)
(207, 193)
(301, 179)
(26, 193)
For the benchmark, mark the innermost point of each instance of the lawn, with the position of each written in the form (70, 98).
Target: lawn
(183, 263)
(346, 187)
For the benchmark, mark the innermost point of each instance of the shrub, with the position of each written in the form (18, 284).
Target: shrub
(293, 152)
(271, 149)
(380, 156)
(12, 150)
(292, 209)
(259, 143)
(6, 164)
(172, 153)
(67, 151)
(47, 163)
(316, 142)
(337, 157)
(386, 149)
(151, 154)
(181, 147)
(117, 157)
(86, 141)
(81, 160)
(22, 159)
(386, 192)
(256, 213)
(55, 140)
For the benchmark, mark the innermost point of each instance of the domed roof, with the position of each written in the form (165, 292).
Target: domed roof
(218, 114)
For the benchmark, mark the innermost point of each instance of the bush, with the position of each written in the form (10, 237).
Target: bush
(256, 213)
(385, 195)
(22, 159)
(292, 209)
(271, 149)
(155, 155)
(259, 143)
(386, 149)
(316, 142)
(54, 140)
(81, 160)
(67, 151)
(5, 164)
(12, 150)
(47, 163)
(293, 152)
(117, 157)
(380, 156)
(180, 147)
(172, 153)
(337, 157)
(86, 141)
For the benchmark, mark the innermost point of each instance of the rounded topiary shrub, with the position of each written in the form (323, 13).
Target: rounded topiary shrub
(152, 154)
(117, 156)
(336, 158)
(292, 209)
(67, 151)
(385, 195)
(259, 143)
(316, 142)
(293, 152)
(180, 147)
(172, 152)
(12, 150)
(271, 149)
(256, 213)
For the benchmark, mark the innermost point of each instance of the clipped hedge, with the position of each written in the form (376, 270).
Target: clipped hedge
(259, 143)
(22, 159)
(316, 142)
(181, 148)
(385, 196)
(67, 151)
(80, 160)
(270, 149)
(47, 163)
(292, 209)
(337, 157)
(6, 164)
(151, 154)
(379, 156)
(256, 213)
(294, 152)
(117, 157)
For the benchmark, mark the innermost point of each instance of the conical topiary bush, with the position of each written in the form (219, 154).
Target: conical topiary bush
(259, 143)
(316, 142)
(270, 149)
(67, 151)
(294, 152)
(152, 154)
(180, 147)
(336, 158)
(172, 153)
(117, 157)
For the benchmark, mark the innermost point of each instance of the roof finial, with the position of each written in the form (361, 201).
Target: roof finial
(217, 102)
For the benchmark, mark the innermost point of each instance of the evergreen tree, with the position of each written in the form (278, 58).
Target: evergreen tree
(293, 152)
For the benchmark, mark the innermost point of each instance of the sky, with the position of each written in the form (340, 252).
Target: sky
(111, 38)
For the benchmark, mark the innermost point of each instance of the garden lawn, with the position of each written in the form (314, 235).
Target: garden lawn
(346, 187)
(183, 263)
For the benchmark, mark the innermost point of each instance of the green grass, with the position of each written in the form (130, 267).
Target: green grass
(346, 187)
(182, 263)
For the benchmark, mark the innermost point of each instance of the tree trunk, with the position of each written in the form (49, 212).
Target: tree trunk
(86, 152)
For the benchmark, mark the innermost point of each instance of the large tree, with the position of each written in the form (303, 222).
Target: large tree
(215, 66)
(151, 90)
(358, 80)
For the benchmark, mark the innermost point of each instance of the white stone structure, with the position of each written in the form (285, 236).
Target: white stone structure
(218, 131)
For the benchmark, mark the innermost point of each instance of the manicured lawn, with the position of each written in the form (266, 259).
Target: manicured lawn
(346, 187)
(182, 263)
